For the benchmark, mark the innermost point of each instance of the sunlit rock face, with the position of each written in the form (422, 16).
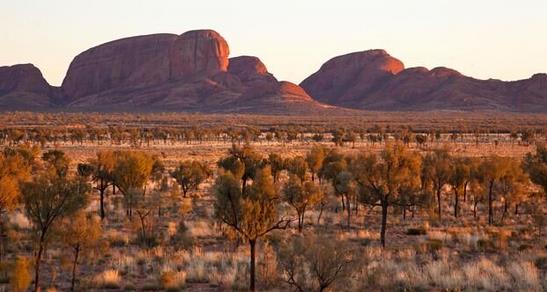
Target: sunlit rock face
(187, 72)
(198, 52)
(146, 60)
(193, 72)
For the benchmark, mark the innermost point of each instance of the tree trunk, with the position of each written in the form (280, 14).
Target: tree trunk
(252, 243)
(348, 208)
(505, 209)
(365, 217)
(301, 223)
(384, 222)
(465, 191)
(456, 206)
(490, 204)
(101, 193)
(243, 185)
(37, 264)
(516, 209)
(74, 264)
(2, 238)
(439, 203)
(143, 227)
(321, 206)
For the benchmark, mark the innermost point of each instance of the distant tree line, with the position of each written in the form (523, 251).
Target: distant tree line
(339, 136)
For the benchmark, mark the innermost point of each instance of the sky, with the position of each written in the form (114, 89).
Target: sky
(481, 38)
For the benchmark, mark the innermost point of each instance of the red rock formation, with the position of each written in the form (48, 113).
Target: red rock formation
(291, 90)
(134, 61)
(247, 68)
(258, 82)
(192, 72)
(343, 78)
(181, 73)
(198, 52)
(373, 80)
(22, 87)
(255, 79)
(22, 78)
(146, 60)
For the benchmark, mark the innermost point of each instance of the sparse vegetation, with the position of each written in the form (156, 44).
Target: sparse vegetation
(267, 204)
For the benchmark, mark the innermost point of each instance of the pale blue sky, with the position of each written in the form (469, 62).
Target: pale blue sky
(482, 38)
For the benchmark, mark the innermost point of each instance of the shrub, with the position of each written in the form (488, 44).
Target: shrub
(21, 276)
(416, 231)
(267, 267)
(525, 275)
(486, 274)
(151, 285)
(241, 277)
(486, 245)
(150, 240)
(4, 268)
(173, 281)
(197, 272)
(109, 279)
(434, 245)
(541, 263)
(524, 246)
(117, 239)
(182, 237)
(130, 287)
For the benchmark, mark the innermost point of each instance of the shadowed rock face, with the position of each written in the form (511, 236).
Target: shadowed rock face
(376, 81)
(22, 78)
(255, 79)
(343, 78)
(22, 87)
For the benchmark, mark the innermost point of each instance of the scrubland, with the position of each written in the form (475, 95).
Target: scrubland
(153, 238)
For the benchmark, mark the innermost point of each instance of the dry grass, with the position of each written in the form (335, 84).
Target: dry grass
(388, 271)
(108, 279)
(173, 280)
(452, 255)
